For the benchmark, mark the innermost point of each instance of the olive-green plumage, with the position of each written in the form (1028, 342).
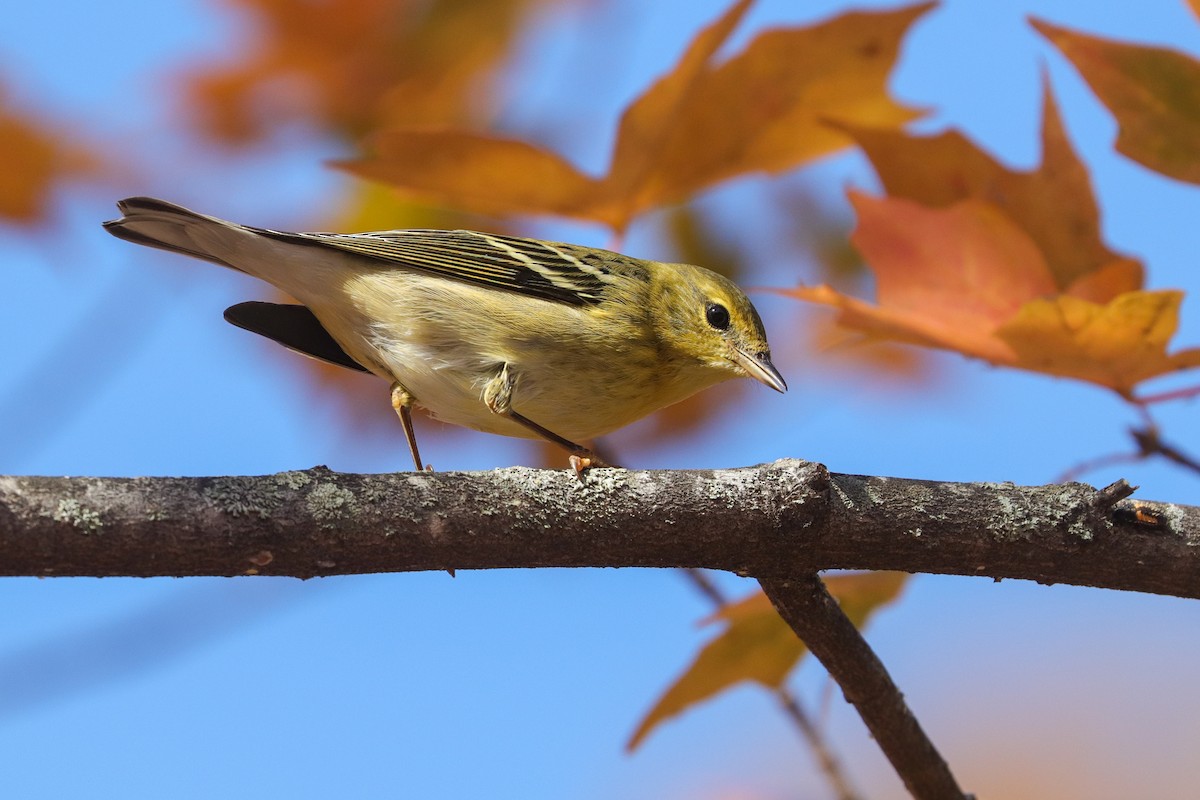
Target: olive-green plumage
(497, 333)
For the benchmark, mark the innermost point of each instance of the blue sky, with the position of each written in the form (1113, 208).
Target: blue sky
(527, 683)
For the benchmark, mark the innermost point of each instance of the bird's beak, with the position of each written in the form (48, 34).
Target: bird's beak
(759, 367)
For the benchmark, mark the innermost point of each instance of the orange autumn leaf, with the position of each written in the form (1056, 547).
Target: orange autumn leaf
(757, 645)
(704, 122)
(762, 110)
(1053, 204)
(1153, 92)
(35, 159)
(945, 277)
(477, 173)
(965, 278)
(352, 66)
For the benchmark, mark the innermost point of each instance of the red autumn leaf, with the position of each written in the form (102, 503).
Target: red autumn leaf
(1053, 204)
(965, 278)
(945, 277)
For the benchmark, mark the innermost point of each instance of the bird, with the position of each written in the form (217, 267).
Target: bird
(501, 334)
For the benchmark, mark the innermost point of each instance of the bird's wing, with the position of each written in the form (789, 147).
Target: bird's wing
(561, 273)
(292, 326)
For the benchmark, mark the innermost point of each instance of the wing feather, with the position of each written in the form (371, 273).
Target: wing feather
(558, 272)
(294, 327)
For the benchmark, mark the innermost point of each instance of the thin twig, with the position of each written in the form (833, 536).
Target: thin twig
(1151, 443)
(819, 621)
(1100, 462)
(700, 581)
(1175, 394)
(831, 768)
(1110, 495)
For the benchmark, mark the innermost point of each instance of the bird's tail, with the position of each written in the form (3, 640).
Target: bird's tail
(157, 223)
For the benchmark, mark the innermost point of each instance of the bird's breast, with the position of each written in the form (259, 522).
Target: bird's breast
(572, 371)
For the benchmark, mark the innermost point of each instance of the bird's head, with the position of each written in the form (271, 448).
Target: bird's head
(704, 316)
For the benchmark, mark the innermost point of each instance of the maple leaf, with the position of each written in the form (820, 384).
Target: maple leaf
(1053, 203)
(1116, 344)
(968, 279)
(704, 122)
(1153, 92)
(1003, 265)
(944, 277)
(757, 645)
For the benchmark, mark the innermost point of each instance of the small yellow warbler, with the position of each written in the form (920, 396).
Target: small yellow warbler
(505, 335)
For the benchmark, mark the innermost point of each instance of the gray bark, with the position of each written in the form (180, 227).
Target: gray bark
(776, 520)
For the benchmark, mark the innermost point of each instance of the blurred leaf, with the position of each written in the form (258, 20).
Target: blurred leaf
(966, 278)
(1052, 204)
(1002, 265)
(696, 242)
(1153, 92)
(757, 645)
(36, 158)
(479, 173)
(890, 367)
(354, 66)
(762, 110)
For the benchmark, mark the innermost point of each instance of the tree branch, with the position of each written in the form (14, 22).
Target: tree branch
(815, 616)
(777, 520)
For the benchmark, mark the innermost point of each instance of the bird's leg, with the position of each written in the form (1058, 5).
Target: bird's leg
(497, 394)
(402, 401)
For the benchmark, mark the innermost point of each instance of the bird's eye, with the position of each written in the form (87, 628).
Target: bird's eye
(717, 316)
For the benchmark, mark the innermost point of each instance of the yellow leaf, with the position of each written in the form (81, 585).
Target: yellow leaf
(1117, 344)
(763, 110)
(1153, 92)
(758, 646)
(651, 122)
